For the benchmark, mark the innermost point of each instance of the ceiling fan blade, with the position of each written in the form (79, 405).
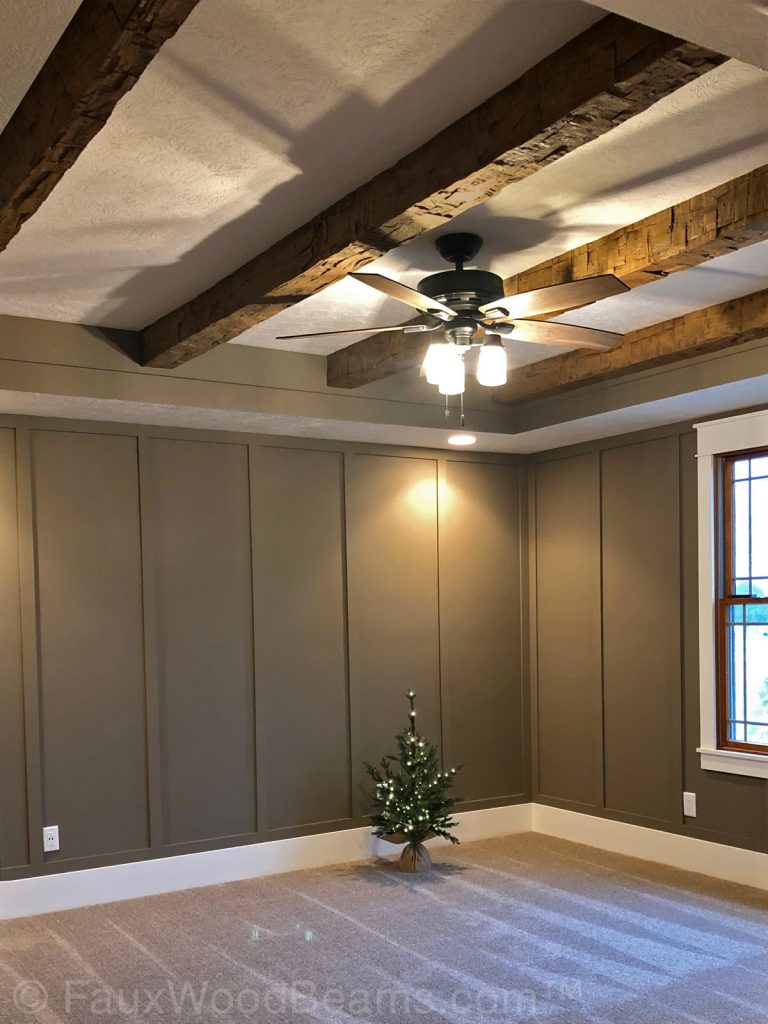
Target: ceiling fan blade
(410, 296)
(547, 332)
(405, 328)
(556, 298)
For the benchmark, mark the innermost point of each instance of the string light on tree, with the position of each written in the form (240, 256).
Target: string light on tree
(412, 798)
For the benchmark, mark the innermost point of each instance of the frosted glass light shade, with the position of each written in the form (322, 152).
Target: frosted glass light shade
(437, 352)
(451, 380)
(492, 365)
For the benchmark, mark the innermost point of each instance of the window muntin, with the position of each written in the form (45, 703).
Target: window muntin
(742, 698)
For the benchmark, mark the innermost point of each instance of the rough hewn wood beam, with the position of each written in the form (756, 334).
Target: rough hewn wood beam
(706, 330)
(375, 358)
(604, 76)
(728, 217)
(100, 56)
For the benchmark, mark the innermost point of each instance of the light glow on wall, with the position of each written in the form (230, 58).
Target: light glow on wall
(421, 498)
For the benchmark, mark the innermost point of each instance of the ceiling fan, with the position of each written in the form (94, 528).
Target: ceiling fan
(470, 310)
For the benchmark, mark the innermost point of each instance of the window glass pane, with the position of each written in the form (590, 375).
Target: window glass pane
(741, 529)
(757, 674)
(744, 637)
(759, 564)
(756, 613)
(737, 706)
(747, 661)
(737, 732)
(735, 612)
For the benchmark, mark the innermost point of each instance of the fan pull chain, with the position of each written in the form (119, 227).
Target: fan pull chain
(461, 419)
(447, 410)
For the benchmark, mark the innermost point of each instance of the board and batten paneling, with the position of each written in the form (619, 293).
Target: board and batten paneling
(568, 629)
(641, 629)
(214, 631)
(198, 519)
(393, 602)
(14, 845)
(480, 628)
(300, 636)
(92, 692)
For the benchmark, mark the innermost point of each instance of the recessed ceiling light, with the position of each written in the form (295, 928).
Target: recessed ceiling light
(462, 439)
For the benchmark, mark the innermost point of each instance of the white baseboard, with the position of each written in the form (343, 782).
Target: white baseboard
(91, 886)
(729, 863)
(28, 896)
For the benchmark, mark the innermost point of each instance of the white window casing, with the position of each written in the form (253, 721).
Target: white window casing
(719, 437)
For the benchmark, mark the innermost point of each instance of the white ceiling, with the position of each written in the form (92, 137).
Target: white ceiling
(28, 32)
(736, 27)
(257, 115)
(253, 118)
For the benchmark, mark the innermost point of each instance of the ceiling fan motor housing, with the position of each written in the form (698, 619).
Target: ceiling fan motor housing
(462, 290)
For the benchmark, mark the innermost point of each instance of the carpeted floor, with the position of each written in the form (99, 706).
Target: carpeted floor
(526, 928)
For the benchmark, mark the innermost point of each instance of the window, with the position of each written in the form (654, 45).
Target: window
(742, 613)
(732, 459)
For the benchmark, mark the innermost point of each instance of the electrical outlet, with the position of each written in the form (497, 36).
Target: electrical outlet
(51, 839)
(689, 805)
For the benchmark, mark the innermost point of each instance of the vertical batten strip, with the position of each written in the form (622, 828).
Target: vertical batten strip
(259, 716)
(151, 681)
(345, 586)
(30, 644)
(443, 691)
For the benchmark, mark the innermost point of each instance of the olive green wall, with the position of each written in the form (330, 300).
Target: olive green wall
(204, 634)
(614, 641)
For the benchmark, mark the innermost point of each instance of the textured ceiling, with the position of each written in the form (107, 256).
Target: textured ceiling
(29, 29)
(257, 115)
(736, 27)
(253, 118)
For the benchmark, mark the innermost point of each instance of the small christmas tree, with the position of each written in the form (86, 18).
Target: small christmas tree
(412, 798)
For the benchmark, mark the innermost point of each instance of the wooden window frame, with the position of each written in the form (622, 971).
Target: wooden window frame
(726, 597)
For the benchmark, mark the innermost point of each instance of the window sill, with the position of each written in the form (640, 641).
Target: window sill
(735, 762)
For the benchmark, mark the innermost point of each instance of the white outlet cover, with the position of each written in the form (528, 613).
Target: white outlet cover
(51, 839)
(689, 805)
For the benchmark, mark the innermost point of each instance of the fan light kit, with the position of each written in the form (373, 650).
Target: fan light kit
(462, 440)
(470, 311)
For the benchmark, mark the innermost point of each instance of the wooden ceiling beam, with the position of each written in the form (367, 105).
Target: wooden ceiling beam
(707, 330)
(98, 59)
(614, 70)
(729, 217)
(376, 358)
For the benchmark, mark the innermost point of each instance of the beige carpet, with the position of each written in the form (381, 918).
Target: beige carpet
(520, 929)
